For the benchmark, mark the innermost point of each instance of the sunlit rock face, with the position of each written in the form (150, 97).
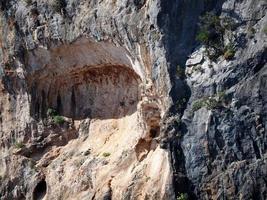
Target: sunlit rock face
(106, 145)
(117, 100)
(113, 120)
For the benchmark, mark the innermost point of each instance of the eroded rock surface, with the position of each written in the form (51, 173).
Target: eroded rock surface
(117, 100)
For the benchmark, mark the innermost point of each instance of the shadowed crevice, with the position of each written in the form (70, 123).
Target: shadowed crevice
(40, 190)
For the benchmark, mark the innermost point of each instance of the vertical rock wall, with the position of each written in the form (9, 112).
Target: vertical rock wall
(117, 100)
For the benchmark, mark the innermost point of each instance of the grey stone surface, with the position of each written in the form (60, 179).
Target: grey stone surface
(216, 152)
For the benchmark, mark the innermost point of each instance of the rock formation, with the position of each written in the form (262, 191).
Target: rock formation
(127, 99)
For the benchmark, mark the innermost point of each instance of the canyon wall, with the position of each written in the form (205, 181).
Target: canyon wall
(116, 99)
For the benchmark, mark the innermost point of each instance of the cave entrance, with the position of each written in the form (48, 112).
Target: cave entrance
(154, 132)
(39, 191)
(98, 92)
(84, 80)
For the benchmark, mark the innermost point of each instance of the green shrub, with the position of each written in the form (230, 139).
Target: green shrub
(106, 154)
(182, 196)
(203, 36)
(28, 2)
(58, 120)
(19, 145)
(211, 32)
(229, 52)
(210, 29)
(51, 112)
(210, 102)
(58, 5)
(198, 104)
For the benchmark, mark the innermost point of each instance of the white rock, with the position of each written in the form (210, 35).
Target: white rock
(195, 58)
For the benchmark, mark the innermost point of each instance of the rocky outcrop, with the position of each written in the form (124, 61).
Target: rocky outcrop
(117, 100)
(80, 82)
(225, 141)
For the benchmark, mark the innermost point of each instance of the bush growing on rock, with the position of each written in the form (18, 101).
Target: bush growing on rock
(19, 145)
(203, 36)
(210, 30)
(229, 52)
(198, 104)
(28, 2)
(51, 112)
(106, 154)
(58, 119)
(211, 33)
(182, 196)
(211, 103)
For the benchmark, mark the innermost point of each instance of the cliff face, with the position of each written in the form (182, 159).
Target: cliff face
(117, 100)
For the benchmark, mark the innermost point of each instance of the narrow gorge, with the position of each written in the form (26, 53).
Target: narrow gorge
(133, 100)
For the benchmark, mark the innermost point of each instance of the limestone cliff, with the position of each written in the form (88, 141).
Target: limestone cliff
(127, 99)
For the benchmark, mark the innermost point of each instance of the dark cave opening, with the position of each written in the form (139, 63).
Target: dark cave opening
(154, 132)
(40, 190)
